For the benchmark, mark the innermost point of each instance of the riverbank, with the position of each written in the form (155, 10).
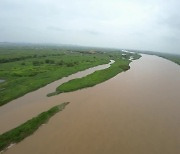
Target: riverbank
(171, 57)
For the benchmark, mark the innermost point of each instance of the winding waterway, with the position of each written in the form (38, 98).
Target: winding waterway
(136, 112)
(13, 111)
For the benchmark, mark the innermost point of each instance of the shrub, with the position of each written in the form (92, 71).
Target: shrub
(49, 61)
(70, 64)
(36, 63)
(23, 63)
(60, 63)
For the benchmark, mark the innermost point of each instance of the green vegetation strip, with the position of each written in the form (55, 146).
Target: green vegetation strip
(19, 133)
(95, 78)
(173, 58)
(169, 56)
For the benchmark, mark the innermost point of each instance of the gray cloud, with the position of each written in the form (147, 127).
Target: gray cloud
(56, 28)
(92, 32)
(173, 21)
(138, 24)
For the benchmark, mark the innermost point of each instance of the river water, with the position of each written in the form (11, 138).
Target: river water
(19, 110)
(136, 112)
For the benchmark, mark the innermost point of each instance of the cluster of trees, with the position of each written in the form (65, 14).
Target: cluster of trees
(37, 63)
(7, 60)
(50, 61)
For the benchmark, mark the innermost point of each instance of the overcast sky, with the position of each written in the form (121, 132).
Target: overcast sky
(135, 24)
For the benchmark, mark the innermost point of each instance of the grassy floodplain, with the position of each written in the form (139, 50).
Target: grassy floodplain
(121, 64)
(24, 130)
(27, 68)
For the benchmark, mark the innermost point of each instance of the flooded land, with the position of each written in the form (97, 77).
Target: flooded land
(135, 112)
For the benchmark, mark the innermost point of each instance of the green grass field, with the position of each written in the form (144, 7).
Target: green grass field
(26, 69)
(26, 129)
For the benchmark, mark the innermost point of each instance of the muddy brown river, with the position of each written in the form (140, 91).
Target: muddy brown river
(136, 112)
(32, 99)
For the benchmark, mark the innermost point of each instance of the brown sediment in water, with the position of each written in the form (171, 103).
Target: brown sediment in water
(135, 112)
(27, 105)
